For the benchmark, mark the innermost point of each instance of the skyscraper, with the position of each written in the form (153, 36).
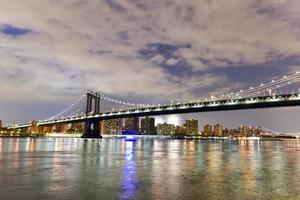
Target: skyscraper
(191, 127)
(218, 130)
(131, 125)
(113, 126)
(207, 130)
(148, 125)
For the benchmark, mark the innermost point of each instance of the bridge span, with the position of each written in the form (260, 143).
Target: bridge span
(93, 118)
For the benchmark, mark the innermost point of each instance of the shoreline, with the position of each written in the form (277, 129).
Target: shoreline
(265, 138)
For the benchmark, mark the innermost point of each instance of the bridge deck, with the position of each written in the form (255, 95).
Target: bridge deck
(192, 107)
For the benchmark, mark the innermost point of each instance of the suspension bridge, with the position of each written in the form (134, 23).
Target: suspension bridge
(93, 107)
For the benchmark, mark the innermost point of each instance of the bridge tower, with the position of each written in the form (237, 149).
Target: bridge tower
(92, 125)
(93, 103)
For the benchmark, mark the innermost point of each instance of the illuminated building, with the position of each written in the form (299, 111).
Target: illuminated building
(191, 127)
(33, 129)
(112, 126)
(258, 131)
(218, 130)
(148, 126)
(179, 130)
(226, 132)
(76, 128)
(249, 131)
(234, 132)
(131, 125)
(243, 130)
(207, 130)
(165, 129)
(1, 129)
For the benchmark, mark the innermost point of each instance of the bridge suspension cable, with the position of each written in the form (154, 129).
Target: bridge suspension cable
(268, 87)
(122, 102)
(109, 104)
(271, 131)
(70, 109)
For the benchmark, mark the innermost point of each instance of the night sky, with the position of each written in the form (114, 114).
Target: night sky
(52, 51)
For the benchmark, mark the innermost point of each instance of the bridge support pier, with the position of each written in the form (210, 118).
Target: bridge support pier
(92, 129)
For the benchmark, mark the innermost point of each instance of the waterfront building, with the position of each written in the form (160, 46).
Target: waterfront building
(246, 131)
(131, 125)
(243, 130)
(179, 130)
(258, 131)
(59, 128)
(218, 130)
(1, 129)
(65, 128)
(207, 130)
(33, 129)
(165, 129)
(234, 132)
(112, 126)
(148, 126)
(191, 127)
(225, 132)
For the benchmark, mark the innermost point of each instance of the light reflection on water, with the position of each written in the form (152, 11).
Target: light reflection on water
(129, 184)
(63, 168)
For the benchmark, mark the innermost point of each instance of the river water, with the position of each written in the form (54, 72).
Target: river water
(73, 168)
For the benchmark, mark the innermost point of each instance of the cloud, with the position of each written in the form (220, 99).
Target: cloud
(154, 50)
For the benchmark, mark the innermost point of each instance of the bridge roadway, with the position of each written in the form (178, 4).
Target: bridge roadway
(192, 107)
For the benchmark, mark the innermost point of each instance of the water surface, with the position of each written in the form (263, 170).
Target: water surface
(63, 168)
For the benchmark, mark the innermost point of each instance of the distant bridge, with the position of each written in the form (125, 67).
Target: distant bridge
(98, 107)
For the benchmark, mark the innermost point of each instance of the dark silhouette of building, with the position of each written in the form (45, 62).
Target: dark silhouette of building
(148, 126)
(179, 130)
(131, 125)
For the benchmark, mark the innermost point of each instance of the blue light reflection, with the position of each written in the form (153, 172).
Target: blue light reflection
(130, 184)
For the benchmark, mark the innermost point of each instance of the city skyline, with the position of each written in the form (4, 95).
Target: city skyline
(182, 51)
(149, 125)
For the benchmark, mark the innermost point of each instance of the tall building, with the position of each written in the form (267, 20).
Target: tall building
(191, 127)
(113, 126)
(131, 125)
(148, 126)
(0, 124)
(165, 129)
(218, 130)
(207, 130)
